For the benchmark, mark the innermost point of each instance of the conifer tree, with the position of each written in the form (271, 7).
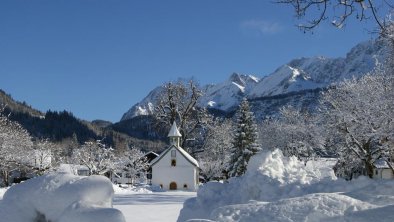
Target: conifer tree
(244, 144)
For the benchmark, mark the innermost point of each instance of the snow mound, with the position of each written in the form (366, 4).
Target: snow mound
(278, 188)
(281, 170)
(270, 176)
(313, 207)
(60, 197)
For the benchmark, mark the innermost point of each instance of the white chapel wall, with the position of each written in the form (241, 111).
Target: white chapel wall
(183, 173)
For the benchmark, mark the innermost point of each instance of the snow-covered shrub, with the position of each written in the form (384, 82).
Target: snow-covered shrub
(60, 197)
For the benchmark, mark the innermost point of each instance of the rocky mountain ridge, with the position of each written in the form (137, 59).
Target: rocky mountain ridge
(297, 76)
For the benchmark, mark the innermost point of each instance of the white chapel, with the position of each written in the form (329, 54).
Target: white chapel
(174, 168)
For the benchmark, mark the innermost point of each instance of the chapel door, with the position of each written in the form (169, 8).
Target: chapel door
(173, 186)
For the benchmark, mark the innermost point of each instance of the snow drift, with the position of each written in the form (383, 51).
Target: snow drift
(278, 188)
(60, 197)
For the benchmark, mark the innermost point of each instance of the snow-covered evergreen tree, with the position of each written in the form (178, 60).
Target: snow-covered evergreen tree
(244, 144)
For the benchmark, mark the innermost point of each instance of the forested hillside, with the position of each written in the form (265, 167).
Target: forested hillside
(63, 126)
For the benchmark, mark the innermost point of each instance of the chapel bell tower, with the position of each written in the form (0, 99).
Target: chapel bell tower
(174, 135)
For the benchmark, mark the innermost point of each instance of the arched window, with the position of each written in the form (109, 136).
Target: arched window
(173, 162)
(185, 186)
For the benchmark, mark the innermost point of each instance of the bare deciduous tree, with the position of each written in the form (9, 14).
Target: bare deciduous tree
(360, 117)
(217, 146)
(15, 147)
(44, 156)
(98, 158)
(178, 102)
(339, 11)
(134, 163)
(294, 132)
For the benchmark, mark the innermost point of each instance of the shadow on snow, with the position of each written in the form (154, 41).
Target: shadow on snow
(149, 199)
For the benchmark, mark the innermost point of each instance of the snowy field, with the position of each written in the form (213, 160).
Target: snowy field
(154, 206)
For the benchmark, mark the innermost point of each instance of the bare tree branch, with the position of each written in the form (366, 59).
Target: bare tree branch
(306, 8)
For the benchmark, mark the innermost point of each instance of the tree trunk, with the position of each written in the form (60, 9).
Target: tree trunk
(369, 168)
(5, 178)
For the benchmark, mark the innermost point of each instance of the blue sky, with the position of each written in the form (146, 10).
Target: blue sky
(96, 58)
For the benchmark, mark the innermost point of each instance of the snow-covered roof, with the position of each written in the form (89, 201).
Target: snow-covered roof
(185, 154)
(174, 132)
(71, 168)
(151, 152)
(188, 156)
(151, 156)
(381, 164)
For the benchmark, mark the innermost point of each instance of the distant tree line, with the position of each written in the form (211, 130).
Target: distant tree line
(63, 127)
(55, 125)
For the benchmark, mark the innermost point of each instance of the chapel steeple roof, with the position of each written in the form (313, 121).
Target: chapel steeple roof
(174, 132)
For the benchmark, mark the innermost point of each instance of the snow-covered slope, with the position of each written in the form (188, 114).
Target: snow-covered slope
(289, 78)
(296, 76)
(318, 72)
(145, 107)
(227, 95)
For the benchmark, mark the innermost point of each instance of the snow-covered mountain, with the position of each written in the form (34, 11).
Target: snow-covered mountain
(297, 76)
(146, 106)
(319, 72)
(223, 96)
(227, 95)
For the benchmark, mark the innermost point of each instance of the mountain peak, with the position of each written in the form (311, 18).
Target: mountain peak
(298, 75)
(237, 78)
